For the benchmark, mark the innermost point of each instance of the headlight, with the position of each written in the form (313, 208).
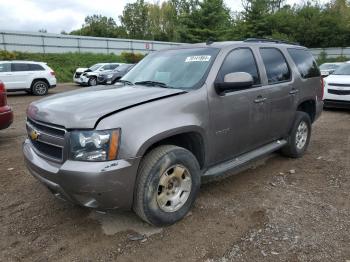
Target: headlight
(94, 145)
(109, 76)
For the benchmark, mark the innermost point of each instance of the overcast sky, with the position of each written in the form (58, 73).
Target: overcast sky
(58, 15)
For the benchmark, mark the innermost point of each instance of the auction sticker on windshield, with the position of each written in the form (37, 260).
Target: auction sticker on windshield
(198, 58)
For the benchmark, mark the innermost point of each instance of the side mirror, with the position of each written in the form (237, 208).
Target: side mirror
(235, 81)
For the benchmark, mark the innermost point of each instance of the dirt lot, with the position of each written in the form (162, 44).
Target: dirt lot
(279, 210)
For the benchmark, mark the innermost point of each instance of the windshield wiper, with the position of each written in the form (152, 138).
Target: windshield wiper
(153, 83)
(125, 82)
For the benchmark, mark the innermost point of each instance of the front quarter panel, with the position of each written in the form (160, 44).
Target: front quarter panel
(143, 125)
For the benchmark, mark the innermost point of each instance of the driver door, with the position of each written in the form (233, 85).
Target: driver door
(240, 116)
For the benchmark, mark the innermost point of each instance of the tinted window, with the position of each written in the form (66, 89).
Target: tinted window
(305, 62)
(16, 67)
(35, 67)
(113, 66)
(5, 67)
(276, 66)
(240, 60)
(106, 67)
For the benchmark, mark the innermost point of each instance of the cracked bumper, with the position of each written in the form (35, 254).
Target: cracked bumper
(102, 185)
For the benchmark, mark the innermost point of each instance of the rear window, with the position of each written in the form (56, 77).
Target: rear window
(36, 67)
(305, 62)
(17, 67)
(276, 66)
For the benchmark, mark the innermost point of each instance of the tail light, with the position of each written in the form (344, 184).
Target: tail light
(322, 88)
(52, 73)
(3, 98)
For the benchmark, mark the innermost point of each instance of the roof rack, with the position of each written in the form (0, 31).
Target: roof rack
(269, 40)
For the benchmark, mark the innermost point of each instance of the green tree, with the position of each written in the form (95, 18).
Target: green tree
(135, 20)
(100, 26)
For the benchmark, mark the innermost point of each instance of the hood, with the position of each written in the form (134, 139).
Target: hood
(83, 108)
(81, 69)
(338, 79)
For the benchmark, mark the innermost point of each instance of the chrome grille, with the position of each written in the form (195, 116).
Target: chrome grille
(47, 140)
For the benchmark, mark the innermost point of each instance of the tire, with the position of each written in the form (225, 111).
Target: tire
(298, 141)
(39, 88)
(92, 81)
(165, 169)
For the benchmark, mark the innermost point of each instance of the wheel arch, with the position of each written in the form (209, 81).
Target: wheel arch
(309, 107)
(39, 79)
(189, 138)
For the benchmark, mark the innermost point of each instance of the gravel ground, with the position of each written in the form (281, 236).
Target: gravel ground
(279, 209)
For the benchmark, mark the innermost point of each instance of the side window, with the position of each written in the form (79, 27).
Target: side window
(5, 67)
(276, 66)
(19, 67)
(113, 66)
(106, 67)
(240, 60)
(305, 62)
(36, 67)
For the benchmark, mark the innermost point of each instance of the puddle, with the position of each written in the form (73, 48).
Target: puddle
(113, 222)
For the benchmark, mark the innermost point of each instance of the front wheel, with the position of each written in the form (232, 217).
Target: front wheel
(299, 138)
(92, 81)
(167, 185)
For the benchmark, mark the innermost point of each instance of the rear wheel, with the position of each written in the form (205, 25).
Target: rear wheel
(299, 138)
(167, 185)
(39, 88)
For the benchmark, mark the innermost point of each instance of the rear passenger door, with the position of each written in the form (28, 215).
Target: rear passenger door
(280, 92)
(20, 75)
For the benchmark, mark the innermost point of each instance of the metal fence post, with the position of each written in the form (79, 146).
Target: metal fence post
(3, 40)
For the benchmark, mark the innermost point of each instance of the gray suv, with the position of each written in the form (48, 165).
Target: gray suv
(179, 117)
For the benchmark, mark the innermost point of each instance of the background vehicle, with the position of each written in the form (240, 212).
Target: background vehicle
(328, 68)
(337, 88)
(88, 76)
(113, 76)
(6, 114)
(185, 115)
(33, 77)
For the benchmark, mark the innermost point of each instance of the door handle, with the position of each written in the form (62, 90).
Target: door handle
(260, 99)
(293, 91)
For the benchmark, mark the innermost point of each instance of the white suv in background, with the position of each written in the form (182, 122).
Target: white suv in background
(33, 77)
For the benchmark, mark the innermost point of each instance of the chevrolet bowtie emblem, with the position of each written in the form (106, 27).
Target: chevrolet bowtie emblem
(34, 135)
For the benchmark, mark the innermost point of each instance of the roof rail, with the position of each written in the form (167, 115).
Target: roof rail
(269, 40)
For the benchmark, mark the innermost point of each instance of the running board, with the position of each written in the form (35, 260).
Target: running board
(237, 163)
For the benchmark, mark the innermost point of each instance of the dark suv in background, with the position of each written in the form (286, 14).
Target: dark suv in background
(179, 117)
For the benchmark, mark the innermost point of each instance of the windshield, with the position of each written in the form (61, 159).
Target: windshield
(95, 67)
(329, 66)
(181, 68)
(343, 70)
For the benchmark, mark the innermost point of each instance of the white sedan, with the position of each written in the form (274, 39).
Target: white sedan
(337, 88)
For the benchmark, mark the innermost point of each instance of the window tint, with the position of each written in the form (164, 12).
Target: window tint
(5, 67)
(36, 67)
(305, 62)
(276, 66)
(16, 67)
(113, 66)
(106, 67)
(240, 60)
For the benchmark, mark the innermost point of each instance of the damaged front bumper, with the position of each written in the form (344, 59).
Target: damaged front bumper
(102, 185)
